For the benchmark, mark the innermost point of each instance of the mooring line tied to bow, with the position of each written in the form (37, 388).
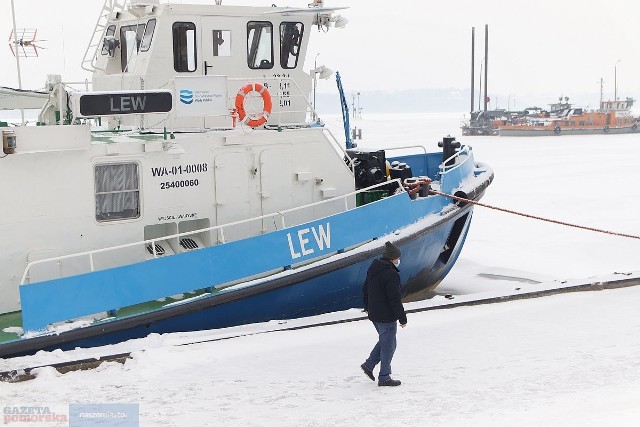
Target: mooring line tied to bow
(539, 218)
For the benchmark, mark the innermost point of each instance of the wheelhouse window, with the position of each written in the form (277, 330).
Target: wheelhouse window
(117, 188)
(259, 44)
(184, 47)
(290, 41)
(130, 38)
(111, 30)
(148, 35)
(221, 43)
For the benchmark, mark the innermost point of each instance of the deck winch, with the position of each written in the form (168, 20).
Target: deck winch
(369, 167)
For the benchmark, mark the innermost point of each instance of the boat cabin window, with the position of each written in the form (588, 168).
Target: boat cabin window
(117, 189)
(148, 35)
(221, 43)
(259, 44)
(184, 46)
(130, 37)
(111, 30)
(290, 40)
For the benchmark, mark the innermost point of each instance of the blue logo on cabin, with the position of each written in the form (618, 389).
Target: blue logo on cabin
(186, 96)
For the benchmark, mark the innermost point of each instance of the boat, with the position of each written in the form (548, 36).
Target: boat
(483, 124)
(191, 186)
(613, 117)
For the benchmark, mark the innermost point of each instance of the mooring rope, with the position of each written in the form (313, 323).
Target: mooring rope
(539, 218)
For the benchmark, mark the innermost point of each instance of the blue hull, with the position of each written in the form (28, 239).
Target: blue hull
(330, 287)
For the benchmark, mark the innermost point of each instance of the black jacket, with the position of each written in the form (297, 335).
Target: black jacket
(382, 294)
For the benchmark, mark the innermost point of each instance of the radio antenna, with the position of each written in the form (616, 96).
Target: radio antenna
(24, 41)
(15, 39)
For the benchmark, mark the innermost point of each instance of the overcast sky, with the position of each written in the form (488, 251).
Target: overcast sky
(560, 47)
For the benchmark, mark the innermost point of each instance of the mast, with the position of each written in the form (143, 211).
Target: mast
(601, 87)
(15, 42)
(473, 48)
(480, 88)
(486, 65)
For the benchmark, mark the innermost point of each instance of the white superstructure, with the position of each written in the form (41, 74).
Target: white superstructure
(70, 186)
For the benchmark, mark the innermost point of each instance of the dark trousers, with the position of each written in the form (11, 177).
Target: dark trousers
(383, 350)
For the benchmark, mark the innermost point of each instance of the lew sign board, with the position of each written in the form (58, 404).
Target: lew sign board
(121, 103)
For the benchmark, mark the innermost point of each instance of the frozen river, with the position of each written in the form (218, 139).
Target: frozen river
(565, 360)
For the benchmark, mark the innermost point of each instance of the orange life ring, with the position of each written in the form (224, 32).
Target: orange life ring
(260, 119)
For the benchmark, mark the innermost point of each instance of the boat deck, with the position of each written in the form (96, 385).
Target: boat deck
(8, 322)
(11, 323)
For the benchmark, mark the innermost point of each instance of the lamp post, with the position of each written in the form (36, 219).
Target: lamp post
(509, 101)
(615, 80)
(324, 73)
(353, 105)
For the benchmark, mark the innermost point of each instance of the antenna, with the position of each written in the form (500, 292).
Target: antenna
(13, 16)
(22, 42)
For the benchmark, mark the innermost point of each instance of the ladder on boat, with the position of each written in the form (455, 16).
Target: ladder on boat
(108, 9)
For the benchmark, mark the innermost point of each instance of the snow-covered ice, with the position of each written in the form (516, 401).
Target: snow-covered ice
(567, 359)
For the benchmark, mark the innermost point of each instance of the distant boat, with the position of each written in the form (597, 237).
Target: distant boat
(483, 124)
(613, 117)
(481, 121)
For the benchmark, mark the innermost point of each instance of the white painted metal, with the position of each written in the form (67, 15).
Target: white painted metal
(11, 99)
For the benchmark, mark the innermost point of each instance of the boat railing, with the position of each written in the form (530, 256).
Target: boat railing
(444, 169)
(453, 174)
(90, 54)
(340, 149)
(348, 199)
(407, 147)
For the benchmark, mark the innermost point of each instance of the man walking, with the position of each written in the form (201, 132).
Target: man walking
(382, 302)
